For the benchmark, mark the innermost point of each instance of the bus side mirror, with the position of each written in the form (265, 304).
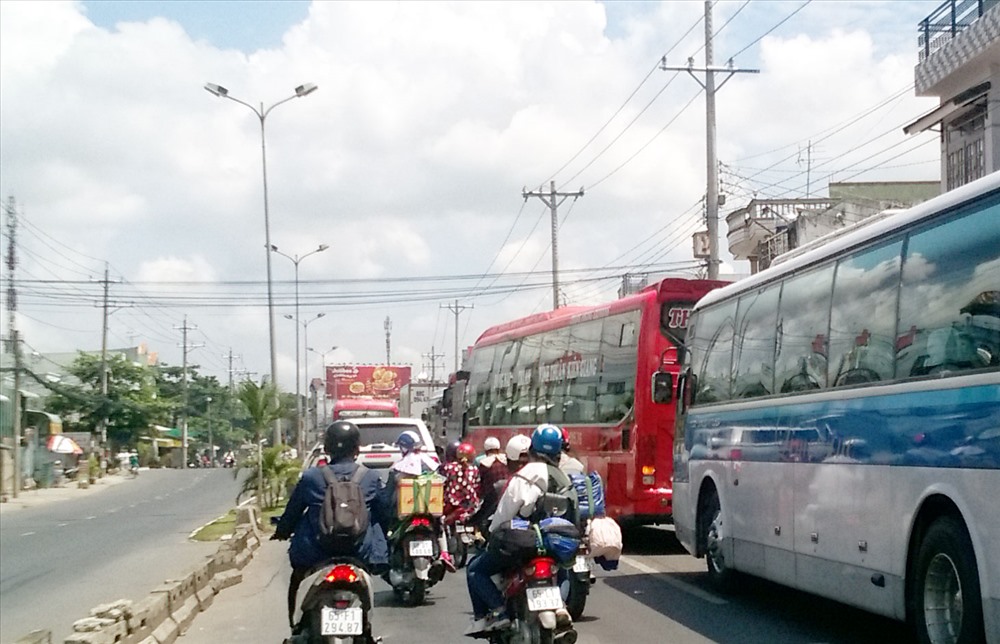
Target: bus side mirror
(663, 387)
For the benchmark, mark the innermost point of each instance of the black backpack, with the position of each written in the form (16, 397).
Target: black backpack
(343, 519)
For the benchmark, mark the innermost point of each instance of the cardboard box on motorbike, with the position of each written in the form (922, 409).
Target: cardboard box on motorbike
(422, 494)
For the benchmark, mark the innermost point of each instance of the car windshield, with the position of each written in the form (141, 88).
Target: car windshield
(387, 433)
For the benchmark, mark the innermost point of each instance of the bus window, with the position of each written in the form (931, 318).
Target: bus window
(583, 375)
(479, 383)
(753, 359)
(803, 321)
(525, 376)
(863, 320)
(501, 382)
(711, 354)
(949, 309)
(616, 391)
(551, 371)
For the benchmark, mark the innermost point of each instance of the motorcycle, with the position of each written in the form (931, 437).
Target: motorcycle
(574, 583)
(414, 558)
(535, 606)
(460, 538)
(333, 605)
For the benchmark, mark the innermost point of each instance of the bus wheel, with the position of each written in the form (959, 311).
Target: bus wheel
(713, 535)
(946, 605)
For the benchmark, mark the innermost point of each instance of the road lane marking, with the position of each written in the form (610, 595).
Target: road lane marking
(27, 534)
(91, 518)
(61, 525)
(676, 583)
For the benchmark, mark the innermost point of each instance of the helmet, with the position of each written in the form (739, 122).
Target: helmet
(517, 445)
(547, 440)
(451, 451)
(342, 438)
(407, 441)
(465, 452)
(565, 438)
(491, 443)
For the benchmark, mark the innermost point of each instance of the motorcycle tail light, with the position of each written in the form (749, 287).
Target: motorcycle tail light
(420, 522)
(341, 604)
(542, 568)
(344, 574)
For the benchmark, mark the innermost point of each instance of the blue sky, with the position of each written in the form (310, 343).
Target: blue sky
(227, 24)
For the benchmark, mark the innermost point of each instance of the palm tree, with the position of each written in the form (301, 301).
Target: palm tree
(271, 477)
(263, 409)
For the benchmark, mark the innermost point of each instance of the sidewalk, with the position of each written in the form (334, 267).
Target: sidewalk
(254, 610)
(70, 490)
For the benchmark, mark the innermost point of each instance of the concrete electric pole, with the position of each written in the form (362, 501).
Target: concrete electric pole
(711, 160)
(553, 199)
(457, 308)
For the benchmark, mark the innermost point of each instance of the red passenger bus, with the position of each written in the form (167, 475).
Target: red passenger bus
(589, 369)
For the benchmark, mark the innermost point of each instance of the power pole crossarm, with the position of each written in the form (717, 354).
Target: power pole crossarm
(553, 200)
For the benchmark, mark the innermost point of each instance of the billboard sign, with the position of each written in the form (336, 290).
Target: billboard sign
(366, 381)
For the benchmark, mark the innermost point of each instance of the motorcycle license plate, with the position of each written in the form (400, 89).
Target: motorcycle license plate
(346, 621)
(544, 598)
(466, 538)
(421, 548)
(582, 564)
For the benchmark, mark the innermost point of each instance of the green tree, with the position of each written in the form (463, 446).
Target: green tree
(263, 409)
(276, 474)
(132, 404)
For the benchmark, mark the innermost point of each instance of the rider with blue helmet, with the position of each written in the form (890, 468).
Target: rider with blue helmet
(518, 500)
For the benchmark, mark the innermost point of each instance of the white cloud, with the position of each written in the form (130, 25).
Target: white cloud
(411, 157)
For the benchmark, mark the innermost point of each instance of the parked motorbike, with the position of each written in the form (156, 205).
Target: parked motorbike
(535, 606)
(414, 558)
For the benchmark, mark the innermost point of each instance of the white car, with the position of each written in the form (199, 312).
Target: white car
(378, 442)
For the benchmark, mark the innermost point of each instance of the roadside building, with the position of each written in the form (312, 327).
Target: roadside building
(959, 62)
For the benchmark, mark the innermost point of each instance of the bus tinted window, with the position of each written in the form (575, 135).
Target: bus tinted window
(803, 317)
(479, 382)
(949, 310)
(552, 388)
(711, 353)
(753, 362)
(525, 376)
(583, 374)
(863, 319)
(502, 381)
(616, 391)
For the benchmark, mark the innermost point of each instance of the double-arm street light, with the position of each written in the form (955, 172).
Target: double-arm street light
(322, 365)
(295, 259)
(261, 113)
(299, 442)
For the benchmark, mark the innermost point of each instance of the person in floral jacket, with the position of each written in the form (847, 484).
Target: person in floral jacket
(461, 484)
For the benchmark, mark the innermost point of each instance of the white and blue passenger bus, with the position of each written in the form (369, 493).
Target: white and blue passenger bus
(839, 420)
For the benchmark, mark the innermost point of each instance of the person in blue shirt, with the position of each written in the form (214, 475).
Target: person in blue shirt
(300, 521)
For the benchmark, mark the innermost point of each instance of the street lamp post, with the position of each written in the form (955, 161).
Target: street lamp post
(211, 444)
(299, 424)
(300, 443)
(261, 113)
(322, 355)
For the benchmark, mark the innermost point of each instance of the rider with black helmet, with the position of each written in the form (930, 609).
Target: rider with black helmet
(300, 521)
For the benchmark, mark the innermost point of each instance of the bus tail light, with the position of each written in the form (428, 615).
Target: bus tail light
(648, 472)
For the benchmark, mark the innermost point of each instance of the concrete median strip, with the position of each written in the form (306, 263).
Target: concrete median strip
(167, 612)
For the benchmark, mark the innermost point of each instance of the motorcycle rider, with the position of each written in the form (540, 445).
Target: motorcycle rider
(414, 463)
(133, 461)
(567, 462)
(300, 521)
(517, 451)
(518, 500)
(461, 483)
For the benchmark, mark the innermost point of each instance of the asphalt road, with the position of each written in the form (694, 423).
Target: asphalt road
(59, 560)
(659, 594)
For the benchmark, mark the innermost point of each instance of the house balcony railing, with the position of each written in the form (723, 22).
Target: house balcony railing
(947, 21)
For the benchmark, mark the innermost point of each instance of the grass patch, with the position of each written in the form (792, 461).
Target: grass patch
(225, 525)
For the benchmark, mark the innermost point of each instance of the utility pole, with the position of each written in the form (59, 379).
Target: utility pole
(184, 389)
(553, 199)
(433, 358)
(711, 160)
(104, 364)
(456, 308)
(14, 347)
(387, 325)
